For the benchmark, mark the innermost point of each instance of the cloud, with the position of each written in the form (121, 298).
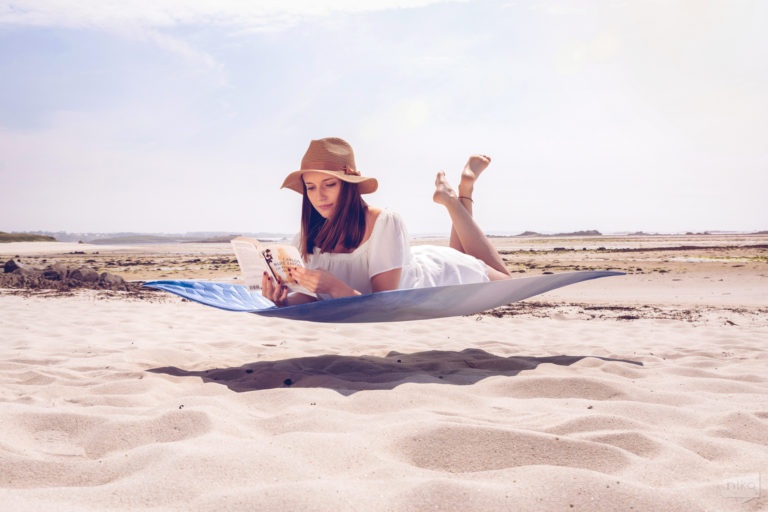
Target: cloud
(179, 47)
(258, 14)
(152, 20)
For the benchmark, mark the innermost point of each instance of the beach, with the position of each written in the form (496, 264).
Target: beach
(646, 391)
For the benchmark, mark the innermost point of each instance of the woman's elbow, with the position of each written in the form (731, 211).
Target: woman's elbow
(389, 280)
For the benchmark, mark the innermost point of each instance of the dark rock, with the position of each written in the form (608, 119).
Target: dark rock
(61, 268)
(10, 266)
(84, 274)
(11, 281)
(22, 270)
(52, 275)
(111, 280)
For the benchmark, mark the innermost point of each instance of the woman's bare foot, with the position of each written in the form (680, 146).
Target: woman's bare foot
(475, 165)
(444, 193)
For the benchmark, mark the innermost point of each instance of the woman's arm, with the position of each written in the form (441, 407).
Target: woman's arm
(322, 281)
(298, 298)
(389, 280)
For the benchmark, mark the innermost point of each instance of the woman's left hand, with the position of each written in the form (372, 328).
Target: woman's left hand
(322, 281)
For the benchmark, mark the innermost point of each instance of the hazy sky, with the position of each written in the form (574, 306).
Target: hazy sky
(169, 116)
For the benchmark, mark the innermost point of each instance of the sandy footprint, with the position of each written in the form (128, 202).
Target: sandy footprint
(538, 488)
(559, 387)
(596, 422)
(742, 426)
(633, 442)
(459, 449)
(173, 426)
(26, 472)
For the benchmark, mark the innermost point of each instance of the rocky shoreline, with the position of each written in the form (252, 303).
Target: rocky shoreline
(63, 278)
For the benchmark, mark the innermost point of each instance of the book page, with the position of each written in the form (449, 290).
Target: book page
(252, 264)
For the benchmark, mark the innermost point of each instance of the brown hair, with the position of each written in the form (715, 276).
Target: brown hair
(347, 224)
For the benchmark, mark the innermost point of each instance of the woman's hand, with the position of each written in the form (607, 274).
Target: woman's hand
(322, 281)
(276, 292)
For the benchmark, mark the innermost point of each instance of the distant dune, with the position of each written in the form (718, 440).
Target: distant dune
(224, 239)
(129, 238)
(161, 239)
(24, 237)
(134, 239)
(158, 239)
(591, 232)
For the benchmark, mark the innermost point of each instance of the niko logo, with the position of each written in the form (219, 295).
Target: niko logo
(744, 486)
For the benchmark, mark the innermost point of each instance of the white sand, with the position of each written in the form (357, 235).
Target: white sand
(103, 407)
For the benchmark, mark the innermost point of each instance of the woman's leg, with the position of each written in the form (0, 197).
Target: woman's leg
(495, 275)
(469, 234)
(475, 165)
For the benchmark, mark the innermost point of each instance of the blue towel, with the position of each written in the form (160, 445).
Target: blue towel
(389, 306)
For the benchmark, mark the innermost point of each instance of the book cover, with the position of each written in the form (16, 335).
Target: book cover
(282, 258)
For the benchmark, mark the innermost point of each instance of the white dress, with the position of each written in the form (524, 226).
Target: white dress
(387, 248)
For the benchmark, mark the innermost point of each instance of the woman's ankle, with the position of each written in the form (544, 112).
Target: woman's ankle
(466, 190)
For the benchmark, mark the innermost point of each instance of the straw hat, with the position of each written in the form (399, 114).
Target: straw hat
(334, 157)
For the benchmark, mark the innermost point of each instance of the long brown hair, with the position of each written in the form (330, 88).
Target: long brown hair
(347, 224)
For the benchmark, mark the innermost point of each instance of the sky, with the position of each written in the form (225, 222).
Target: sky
(177, 116)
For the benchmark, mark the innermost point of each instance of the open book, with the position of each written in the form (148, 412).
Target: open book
(254, 258)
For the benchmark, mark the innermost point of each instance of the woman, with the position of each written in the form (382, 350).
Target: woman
(351, 248)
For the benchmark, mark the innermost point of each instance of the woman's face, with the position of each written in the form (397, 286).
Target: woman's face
(323, 192)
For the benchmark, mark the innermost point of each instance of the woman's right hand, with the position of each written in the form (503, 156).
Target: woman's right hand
(276, 292)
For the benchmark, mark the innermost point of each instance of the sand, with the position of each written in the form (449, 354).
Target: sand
(643, 392)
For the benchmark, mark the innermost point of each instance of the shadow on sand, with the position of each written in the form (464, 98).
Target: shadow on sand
(347, 374)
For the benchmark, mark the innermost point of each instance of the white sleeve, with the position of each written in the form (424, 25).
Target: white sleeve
(389, 244)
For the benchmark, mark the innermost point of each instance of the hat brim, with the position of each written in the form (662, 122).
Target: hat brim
(365, 185)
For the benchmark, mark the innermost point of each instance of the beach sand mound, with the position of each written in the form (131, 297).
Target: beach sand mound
(116, 404)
